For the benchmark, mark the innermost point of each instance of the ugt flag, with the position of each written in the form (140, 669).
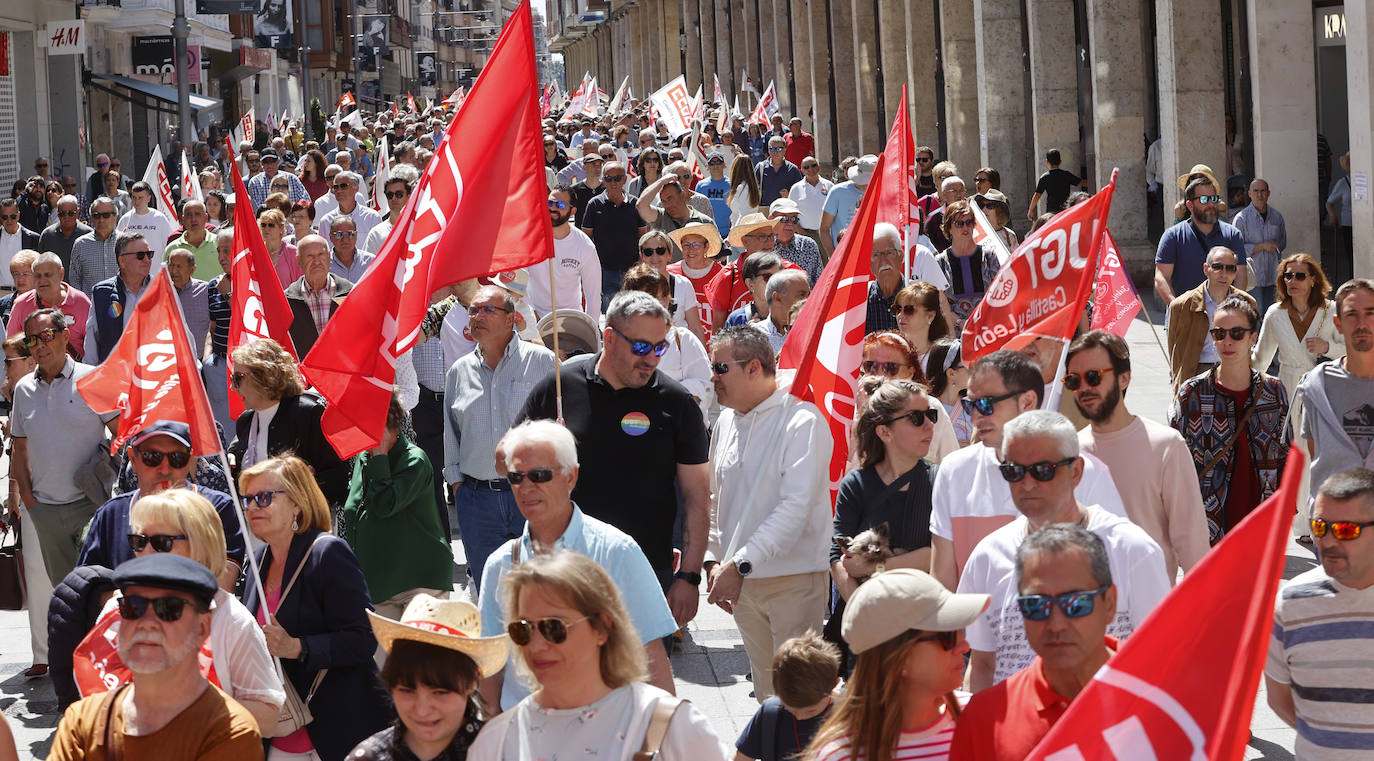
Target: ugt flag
(1115, 302)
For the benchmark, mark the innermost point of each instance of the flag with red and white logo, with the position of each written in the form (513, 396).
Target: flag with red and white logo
(1182, 688)
(480, 208)
(717, 95)
(380, 177)
(985, 235)
(153, 374)
(676, 106)
(1115, 301)
(1043, 289)
(410, 104)
(246, 131)
(190, 182)
(155, 174)
(545, 100)
(768, 105)
(345, 101)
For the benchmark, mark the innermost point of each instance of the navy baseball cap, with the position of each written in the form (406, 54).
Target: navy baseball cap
(174, 429)
(163, 570)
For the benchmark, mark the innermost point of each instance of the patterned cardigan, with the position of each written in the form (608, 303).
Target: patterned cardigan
(1207, 420)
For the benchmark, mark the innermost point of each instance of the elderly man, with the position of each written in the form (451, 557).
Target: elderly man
(622, 410)
(316, 296)
(776, 175)
(483, 393)
(1055, 568)
(13, 239)
(170, 710)
(542, 464)
(193, 295)
(21, 274)
(261, 184)
(399, 184)
(198, 239)
(58, 439)
(93, 254)
(1266, 236)
(577, 170)
(770, 534)
(798, 249)
(886, 264)
(800, 144)
(95, 182)
(614, 225)
(674, 213)
(1041, 463)
(160, 456)
(1186, 247)
(345, 189)
(113, 299)
(785, 288)
(346, 261)
(59, 238)
(50, 292)
(1191, 349)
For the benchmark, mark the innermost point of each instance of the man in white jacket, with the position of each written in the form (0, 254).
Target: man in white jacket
(770, 527)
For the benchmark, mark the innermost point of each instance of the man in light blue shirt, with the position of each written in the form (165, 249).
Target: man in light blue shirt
(843, 203)
(540, 457)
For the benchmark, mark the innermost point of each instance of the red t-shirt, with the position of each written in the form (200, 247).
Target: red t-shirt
(799, 147)
(727, 290)
(1007, 720)
(1242, 495)
(700, 286)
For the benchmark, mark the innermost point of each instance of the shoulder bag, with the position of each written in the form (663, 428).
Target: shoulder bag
(664, 710)
(12, 566)
(295, 713)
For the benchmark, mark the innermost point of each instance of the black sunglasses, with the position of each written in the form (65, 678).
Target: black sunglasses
(1218, 267)
(153, 459)
(721, 368)
(1236, 333)
(948, 640)
(261, 499)
(102, 214)
(1074, 604)
(613, 177)
(642, 348)
(654, 250)
(535, 475)
(1294, 275)
(46, 336)
(1073, 381)
(917, 417)
(1041, 471)
(553, 630)
(169, 609)
(984, 405)
(395, 194)
(160, 542)
(139, 255)
(869, 367)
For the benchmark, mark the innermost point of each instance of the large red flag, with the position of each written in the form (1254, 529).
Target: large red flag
(152, 373)
(825, 344)
(494, 147)
(1179, 689)
(1115, 302)
(894, 207)
(1042, 291)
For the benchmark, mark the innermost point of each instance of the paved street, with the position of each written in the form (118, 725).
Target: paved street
(711, 668)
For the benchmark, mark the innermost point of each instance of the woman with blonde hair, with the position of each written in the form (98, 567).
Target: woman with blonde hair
(273, 225)
(744, 196)
(586, 665)
(919, 317)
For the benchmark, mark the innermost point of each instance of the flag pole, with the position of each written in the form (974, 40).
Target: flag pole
(557, 361)
(1153, 332)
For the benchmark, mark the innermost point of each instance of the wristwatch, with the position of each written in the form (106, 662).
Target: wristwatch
(744, 567)
(691, 578)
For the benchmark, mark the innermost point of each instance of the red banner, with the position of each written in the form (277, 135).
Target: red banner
(96, 664)
(1115, 301)
(344, 101)
(1043, 289)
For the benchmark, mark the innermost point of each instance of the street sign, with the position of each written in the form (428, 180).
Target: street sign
(66, 37)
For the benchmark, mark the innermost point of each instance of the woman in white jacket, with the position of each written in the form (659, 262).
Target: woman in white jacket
(685, 361)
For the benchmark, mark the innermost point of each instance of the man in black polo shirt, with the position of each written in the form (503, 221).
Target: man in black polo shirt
(614, 225)
(637, 432)
(776, 175)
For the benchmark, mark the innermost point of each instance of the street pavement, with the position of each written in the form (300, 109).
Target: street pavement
(711, 667)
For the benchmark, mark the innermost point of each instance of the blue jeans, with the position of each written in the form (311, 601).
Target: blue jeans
(610, 286)
(217, 389)
(486, 519)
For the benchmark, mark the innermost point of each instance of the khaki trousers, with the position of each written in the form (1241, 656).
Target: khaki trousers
(773, 610)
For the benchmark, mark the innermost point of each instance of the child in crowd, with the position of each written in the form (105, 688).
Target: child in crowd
(806, 672)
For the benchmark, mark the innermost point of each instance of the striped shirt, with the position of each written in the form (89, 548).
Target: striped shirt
(929, 744)
(220, 314)
(1323, 648)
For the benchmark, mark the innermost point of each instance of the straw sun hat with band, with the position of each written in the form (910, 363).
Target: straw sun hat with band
(748, 224)
(709, 232)
(452, 624)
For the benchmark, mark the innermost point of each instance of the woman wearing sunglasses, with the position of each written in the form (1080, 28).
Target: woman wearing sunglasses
(969, 268)
(649, 165)
(585, 664)
(919, 318)
(314, 617)
(949, 378)
(1299, 328)
(272, 222)
(1234, 420)
(891, 355)
(902, 701)
(656, 249)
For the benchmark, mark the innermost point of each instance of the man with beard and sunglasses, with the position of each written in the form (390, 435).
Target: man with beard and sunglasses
(1150, 462)
(161, 458)
(576, 278)
(169, 710)
(1042, 463)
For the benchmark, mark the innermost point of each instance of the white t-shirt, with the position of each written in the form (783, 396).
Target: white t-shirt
(924, 267)
(685, 296)
(970, 498)
(577, 274)
(811, 200)
(1137, 565)
(154, 227)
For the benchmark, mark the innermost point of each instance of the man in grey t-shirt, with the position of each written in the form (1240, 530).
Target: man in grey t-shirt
(1338, 396)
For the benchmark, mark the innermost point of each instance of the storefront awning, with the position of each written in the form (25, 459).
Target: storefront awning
(203, 109)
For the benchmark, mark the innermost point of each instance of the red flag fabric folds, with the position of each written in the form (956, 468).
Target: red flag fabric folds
(152, 373)
(1115, 302)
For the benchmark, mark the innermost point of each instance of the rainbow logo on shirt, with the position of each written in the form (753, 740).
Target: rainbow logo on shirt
(116, 309)
(635, 424)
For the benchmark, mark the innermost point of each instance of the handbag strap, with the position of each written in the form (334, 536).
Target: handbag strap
(664, 708)
(282, 597)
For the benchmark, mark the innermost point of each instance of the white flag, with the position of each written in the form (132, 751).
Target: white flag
(768, 105)
(675, 106)
(618, 102)
(190, 183)
(380, 177)
(156, 176)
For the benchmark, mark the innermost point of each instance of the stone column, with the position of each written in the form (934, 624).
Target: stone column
(768, 47)
(1359, 62)
(920, 76)
(847, 103)
(801, 61)
(692, 33)
(647, 63)
(783, 59)
(818, 33)
(1191, 109)
(1054, 83)
(739, 51)
(866, 63)
(1001, 102)
(670, 33)
(1119, 124)
(961, 84)
(725, 54)
(894, 38)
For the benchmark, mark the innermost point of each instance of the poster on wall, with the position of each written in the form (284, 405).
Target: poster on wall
(272, 25)
(375, 34)
(425, 64)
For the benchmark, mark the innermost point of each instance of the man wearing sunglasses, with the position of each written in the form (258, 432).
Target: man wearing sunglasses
(61, 236)
(170, 710)
(399, 184)
(349, 204)
(346, 260)
(798, 249)
(93, 254)
(614, 225)
(1311, 677)
(14, 238)
(1184, 248)
(1191, 349)
(776, 175)
(160, 457)
(1042, 466)
(114, 299)
(576, 270)
(1066, 600)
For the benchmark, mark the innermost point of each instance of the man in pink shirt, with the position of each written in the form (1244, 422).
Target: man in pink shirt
(50, 291)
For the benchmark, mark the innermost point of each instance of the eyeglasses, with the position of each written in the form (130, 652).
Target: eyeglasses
(102, 214)
(811, 166)
(869, 367)
(642, 348)
(1207, 199)
(958, 223)
(1074, 604)
(140, 255)
(66, 214)
(553, 630)
(721, 368)
(153, 459)
(948, 640)
(1290, 275)
(1342, 530)
(890, 253)
(1072, 381)
(917, 418)
(1218, 267)
(473, 311)
(340, 186)
(261, 499)
(169, 609)
(1041, 471)
(775, 149)
(613, 177)
(343, 233)
(1236, 334)
(559, 205)
(791, 219)
(984, 405)
(693, 245)
(237, 379)
(536, 476)
(654, 250)
(46, 336)
(904, 309)
(160, 542)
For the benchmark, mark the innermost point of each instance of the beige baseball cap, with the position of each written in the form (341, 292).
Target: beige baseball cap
(893, 602)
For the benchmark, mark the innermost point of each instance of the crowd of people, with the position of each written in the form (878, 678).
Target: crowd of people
(614, 437)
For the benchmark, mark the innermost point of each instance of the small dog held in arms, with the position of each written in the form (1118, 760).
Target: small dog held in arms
(873, 545)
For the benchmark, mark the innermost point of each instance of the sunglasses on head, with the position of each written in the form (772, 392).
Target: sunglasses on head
(1291, 275)
(153, 459)
(917, 417)
(1342, 530)
(642, 348)
(1236, 334)
(654, 250)
(1074, 604)
(553, 630)
(984, 405)
(261, 499)
(947, 640)
(169, 609)
(1073, 381)
(535, 475)
(46, 336)
(160, 542)
(870, 367)
(1041, 471)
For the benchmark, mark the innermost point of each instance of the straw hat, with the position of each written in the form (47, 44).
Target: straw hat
(1201, 169)
(746, 225)
(451, 624)
(709, 232)
(577, 331)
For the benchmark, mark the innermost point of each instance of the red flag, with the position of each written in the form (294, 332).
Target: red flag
(345, 100)
(152, 373)
(825, 344)
(768, 105)
(894, 207)
(1177, 690)
(395, 110)
(545, 100)
(259, 309)
(410, 104)
(1042, 291)
(444, 235)
(1115, 302)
